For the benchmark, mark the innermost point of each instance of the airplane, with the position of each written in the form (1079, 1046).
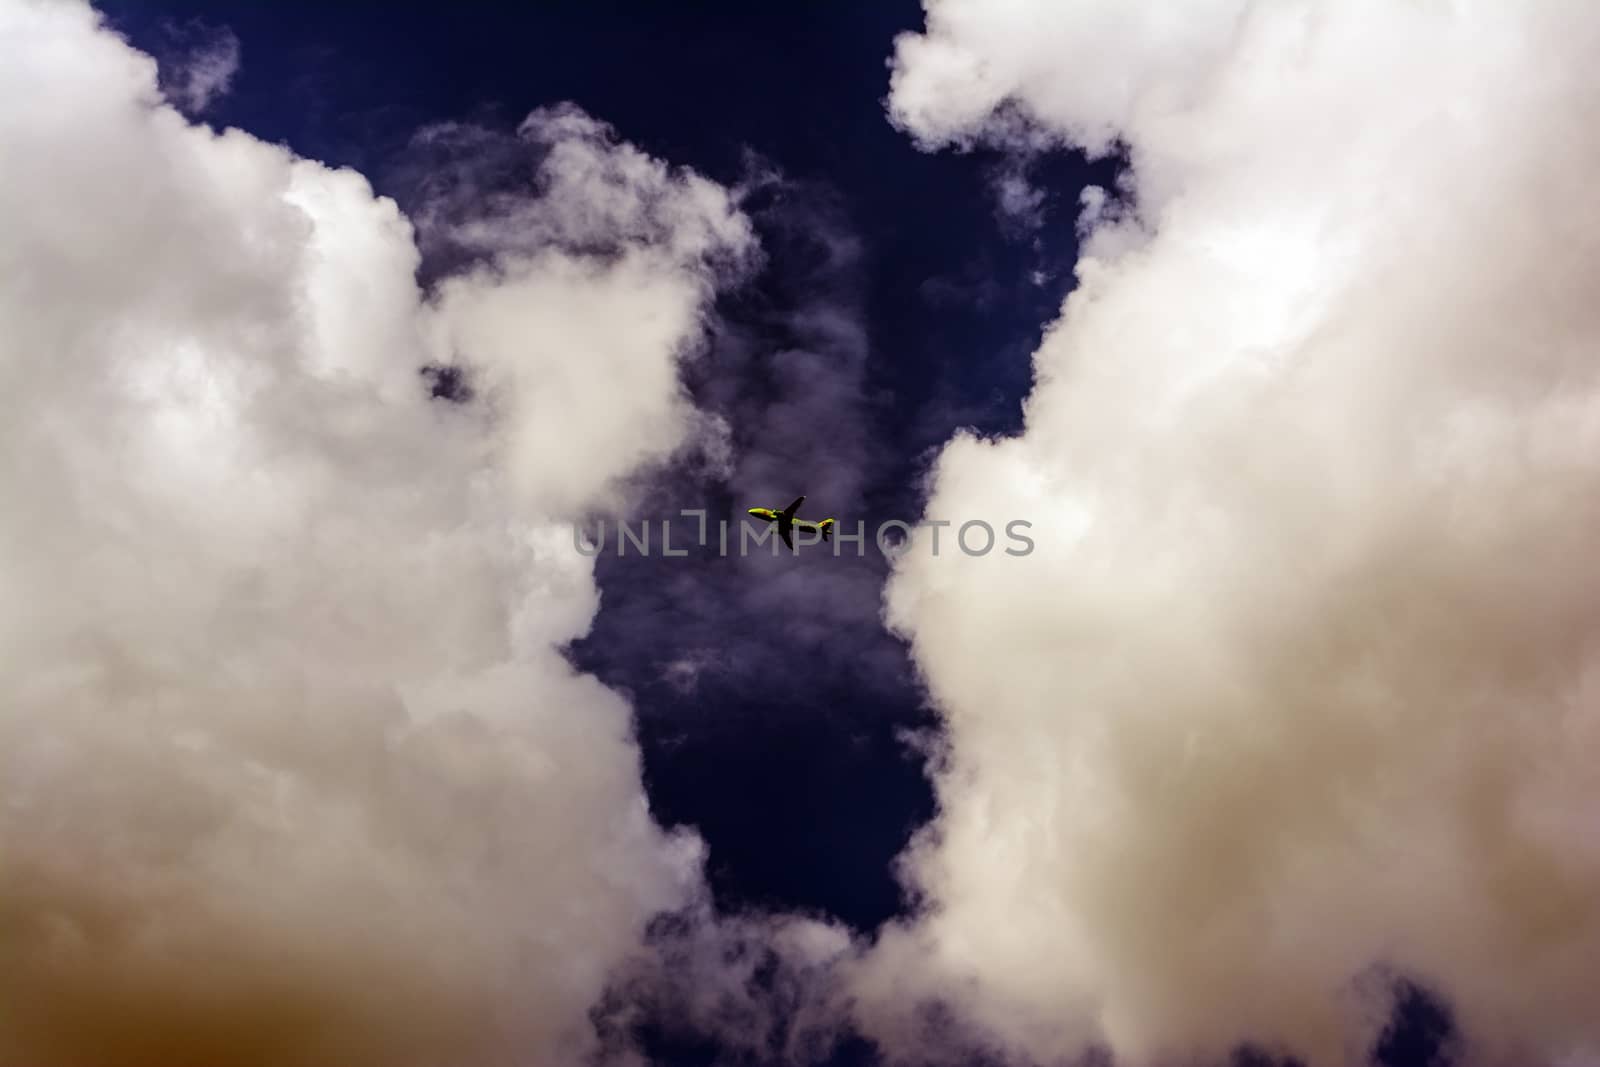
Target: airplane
(787, 523)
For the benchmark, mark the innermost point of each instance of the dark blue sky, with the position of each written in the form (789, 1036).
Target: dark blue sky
(789, 751)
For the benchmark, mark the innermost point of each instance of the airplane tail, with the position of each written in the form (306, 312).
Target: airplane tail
(826, 526)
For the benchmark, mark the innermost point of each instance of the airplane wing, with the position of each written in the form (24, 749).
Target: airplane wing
(783, 532)
(788, 512)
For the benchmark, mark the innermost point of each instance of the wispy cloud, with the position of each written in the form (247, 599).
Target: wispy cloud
(199, 64)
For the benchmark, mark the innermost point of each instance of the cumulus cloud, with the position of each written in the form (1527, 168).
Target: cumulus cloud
(1299, 686)
(554, 230)
(293, 771)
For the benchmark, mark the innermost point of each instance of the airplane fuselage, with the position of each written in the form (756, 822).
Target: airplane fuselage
(787, 523)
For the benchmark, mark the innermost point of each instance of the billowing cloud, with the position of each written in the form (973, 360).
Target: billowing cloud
(582, 278)
(293, 772)
(1299, 687)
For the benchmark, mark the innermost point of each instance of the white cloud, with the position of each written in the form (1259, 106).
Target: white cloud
(1301, 678)
(593, 273)
(292, 769)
